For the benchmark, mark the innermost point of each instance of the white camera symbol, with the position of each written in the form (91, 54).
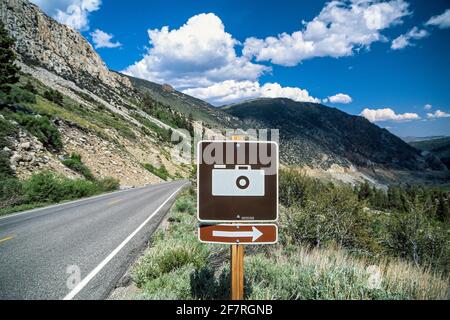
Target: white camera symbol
(241, 181)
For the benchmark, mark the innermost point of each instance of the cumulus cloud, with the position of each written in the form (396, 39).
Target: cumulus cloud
(73, 13)
(102, 39)
(231, 91)
(442, 21)
(341, 28)
(428, 106)
(438, 114)
(339, 98)
(404, 40)
(198, 54)
(387, 114)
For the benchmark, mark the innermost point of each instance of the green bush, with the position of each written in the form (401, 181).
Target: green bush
(5, 166)
(75, 163)
(168, 256)
(54, 96)
(412, 235)
(11, 192)
(335, 216)
(18, 95)
(170, 286)
(49, 187)
(185, 204)
(108, 184)
(41, 128)
(160, 172)
(296, 187)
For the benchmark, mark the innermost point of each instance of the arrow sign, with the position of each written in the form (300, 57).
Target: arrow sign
(239, 233)
(255, 234)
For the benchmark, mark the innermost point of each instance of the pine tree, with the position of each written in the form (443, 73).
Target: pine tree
(8, 71)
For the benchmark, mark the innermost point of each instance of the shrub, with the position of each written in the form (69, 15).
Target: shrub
(54, 96)
(330, 274)
(18, 95)
(167, 256)
(75, 163)
(49, 187)
(414, 236)
(30, 87)
(41, 128)
(335, 216)
(185, 204)
(160, 172)
(11, 192)
(296, 187)
(5, 166)
(108, 184)
(170, 286)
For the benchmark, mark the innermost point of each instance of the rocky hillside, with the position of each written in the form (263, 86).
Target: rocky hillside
(97, 112)
(438, 146)
(319, 136)
(121, 126)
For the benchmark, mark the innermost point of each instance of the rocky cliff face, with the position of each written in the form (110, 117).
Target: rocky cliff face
(42, 41)
(97, 119)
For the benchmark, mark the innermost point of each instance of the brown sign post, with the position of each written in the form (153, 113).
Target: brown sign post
(237, 182)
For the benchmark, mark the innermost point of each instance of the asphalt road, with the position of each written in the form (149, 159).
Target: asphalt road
(79, 250)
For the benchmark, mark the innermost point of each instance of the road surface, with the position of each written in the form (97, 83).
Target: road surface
(79, 250)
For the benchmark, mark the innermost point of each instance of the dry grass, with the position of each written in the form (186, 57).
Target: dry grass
(394, 277)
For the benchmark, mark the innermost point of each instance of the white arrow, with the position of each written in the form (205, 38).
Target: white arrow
(255, 234)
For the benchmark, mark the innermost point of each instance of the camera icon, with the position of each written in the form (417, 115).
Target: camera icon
(242, 181)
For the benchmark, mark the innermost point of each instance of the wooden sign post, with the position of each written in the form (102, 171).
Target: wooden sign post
(237, 272)
(237, 183)
(237, 262)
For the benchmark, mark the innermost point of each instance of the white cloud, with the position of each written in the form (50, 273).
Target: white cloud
(387, 114)
(405, 39)
(438, 114)
(339, 98)
(231, 91)
(102, 39)
(198, 54)
(428, 106)
(73, 13)
(442, 21)
(341, 28)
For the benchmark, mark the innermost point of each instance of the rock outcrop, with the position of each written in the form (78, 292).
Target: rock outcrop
(42, 41)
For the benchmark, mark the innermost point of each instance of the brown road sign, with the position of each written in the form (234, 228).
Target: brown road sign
(237, 181)
(239, 233)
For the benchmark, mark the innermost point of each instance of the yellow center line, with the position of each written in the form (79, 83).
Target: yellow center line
(114, 202)
(6, 239)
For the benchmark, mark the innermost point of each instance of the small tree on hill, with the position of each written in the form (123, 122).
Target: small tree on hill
(8, 71)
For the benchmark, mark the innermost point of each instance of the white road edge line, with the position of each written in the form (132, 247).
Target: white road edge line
(97, 269)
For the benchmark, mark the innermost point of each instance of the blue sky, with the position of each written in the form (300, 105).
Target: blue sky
(385, 60)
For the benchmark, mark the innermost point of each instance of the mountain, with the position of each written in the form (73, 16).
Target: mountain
(96, 112)
(410, 139)
(121, 126)
(440, 147)
(185, 104)
(313, 134)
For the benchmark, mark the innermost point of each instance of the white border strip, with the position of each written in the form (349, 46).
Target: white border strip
(102, 264)
(198, 181)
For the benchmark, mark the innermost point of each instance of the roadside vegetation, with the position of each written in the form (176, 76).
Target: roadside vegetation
(160, 172)
(28, 106)
(332, 246)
